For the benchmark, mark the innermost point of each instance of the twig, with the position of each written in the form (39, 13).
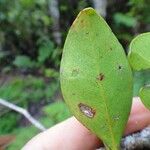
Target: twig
(24, 112)
(136, 141)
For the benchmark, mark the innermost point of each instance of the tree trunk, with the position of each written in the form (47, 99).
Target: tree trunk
(53, 7)
(100, 6)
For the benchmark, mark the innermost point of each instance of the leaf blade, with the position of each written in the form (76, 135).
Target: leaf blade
(93, 67)
(139, 58)
(139, 53)
(145, 96)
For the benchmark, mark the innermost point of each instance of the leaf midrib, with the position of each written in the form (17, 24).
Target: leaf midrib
(108, 116)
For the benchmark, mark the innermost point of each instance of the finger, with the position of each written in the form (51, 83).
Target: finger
(68, 135)
(71, 134)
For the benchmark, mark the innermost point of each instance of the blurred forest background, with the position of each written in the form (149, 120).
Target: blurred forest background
(32, 34)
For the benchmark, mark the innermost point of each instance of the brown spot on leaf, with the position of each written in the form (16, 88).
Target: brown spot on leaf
(75, 72)
(100, 77)
(82, 24)
(82, 21)
(86, 110)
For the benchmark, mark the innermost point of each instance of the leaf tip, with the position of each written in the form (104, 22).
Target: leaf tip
(88, 11)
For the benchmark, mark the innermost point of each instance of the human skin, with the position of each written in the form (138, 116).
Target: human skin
(72, 135)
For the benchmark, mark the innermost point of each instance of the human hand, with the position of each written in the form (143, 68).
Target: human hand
(72, 135)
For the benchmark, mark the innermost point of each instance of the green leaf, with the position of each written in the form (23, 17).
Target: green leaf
(96, 79)
(139, 58)
(51, 73)
(145, 96)
(57, 111)
(22, 61)
(139, 53)
(141, 78)
(125, 19)
(45, 51)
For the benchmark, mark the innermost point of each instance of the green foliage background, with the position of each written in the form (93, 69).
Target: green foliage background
(30, 57)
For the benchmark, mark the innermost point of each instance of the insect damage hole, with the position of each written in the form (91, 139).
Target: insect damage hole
(119, 67)
(86, 110)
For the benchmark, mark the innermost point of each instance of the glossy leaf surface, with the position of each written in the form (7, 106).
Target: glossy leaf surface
(96, 79)
(139, 52)
(145, 96)
(139, 58)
